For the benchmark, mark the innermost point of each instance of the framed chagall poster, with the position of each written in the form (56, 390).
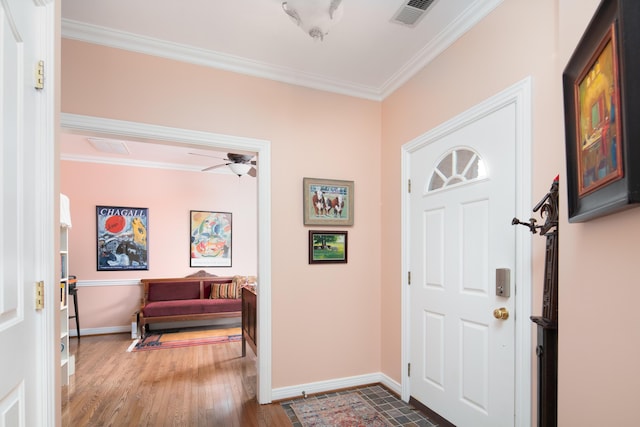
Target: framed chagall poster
(602, 99)
(211, 234)
(122, 238)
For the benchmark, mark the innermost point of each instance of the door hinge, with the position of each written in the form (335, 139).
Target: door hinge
(40, 75)
(409, 369)
(39, 295)
(409, 186)
(409, 277)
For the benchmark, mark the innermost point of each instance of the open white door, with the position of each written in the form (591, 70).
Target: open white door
(27, 352)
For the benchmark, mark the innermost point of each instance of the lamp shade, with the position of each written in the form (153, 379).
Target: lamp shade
(239, 168)
(315, 17)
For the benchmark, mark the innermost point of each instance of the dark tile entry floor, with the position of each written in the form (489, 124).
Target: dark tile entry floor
(394, 410)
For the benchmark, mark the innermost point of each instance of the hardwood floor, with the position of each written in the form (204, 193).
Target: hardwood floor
(207, 385)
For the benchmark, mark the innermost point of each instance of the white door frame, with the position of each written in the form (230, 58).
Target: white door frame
(179, 136)
(520, 95)
(47, 201)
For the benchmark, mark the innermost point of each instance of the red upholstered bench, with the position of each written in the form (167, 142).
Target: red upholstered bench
(190, 298)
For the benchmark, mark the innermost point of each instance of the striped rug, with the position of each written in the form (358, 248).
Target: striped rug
(186, 338)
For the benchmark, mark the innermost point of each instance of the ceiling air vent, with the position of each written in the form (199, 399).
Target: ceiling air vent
(109, 145)
(412, 12)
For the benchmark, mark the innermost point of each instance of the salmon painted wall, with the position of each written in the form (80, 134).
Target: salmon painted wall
(598, 369)
(169, 195)
(599, 290)
(315, 308)
(479, 65)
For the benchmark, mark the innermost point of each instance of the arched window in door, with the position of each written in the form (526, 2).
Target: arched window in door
(457, 167)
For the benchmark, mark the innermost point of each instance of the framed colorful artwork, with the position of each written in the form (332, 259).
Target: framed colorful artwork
(327, 202)
(326, 247)
(600, 99)
(122, 238)
(211, 234)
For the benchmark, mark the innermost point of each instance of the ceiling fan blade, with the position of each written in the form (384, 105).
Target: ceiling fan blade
(215, 167)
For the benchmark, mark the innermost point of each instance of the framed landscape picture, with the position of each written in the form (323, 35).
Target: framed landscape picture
(327, 247)
(601, 99)
(122, 238)
(327, 202)
(211, 239)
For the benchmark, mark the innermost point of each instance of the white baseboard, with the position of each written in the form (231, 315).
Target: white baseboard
(336, 384)
(101, 331)
(231, 321)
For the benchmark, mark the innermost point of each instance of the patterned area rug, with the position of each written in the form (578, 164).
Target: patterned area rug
(395, 411)
(186, 338)
(346, 410)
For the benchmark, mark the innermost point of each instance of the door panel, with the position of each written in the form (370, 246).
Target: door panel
(475, 247)
(434, 267)
(475, 364)
(434, 352)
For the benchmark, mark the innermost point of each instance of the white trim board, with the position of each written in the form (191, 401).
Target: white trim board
(299, 390)
(520, 95)
(101, 283)
(100, 331)
(262, 148)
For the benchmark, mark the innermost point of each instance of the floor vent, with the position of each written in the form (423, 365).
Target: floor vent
(412, 12)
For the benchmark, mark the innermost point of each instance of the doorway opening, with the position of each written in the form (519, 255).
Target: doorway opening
(74, 123)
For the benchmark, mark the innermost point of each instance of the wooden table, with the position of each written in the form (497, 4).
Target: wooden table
(249, 310)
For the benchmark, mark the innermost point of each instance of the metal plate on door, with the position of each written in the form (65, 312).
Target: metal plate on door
(503, 282)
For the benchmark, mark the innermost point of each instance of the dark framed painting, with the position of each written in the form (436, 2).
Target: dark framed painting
(601, 100)
(122, 238)
(211, 239)
(326, 247)
(327, 202)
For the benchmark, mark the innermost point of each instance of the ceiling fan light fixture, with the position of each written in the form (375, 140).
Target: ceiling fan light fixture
(240, 168)
(315, 17)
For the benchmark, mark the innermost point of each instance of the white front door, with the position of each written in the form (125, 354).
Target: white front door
(26, 357)
(461, 205)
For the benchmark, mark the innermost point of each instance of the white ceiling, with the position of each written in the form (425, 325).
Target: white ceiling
(364, 55)
(140, 153)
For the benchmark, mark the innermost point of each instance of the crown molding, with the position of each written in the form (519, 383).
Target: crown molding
(75, 30)
(463, 23)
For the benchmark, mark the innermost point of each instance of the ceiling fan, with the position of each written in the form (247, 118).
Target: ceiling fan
(240, 164)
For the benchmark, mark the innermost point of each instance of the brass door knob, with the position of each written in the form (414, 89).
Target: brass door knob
(501, 313)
